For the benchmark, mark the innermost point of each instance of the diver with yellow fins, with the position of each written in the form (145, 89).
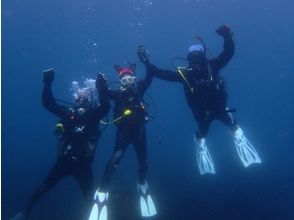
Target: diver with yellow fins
(130, 117)
(78, 133)
(205, 91)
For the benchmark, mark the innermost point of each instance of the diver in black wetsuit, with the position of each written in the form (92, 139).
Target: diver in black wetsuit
(130, 111)
(130, 117)
(205, 91)
(78, 133)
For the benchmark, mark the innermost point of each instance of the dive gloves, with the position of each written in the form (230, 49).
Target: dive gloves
(48, 76)
(224, 31)
(142, 54)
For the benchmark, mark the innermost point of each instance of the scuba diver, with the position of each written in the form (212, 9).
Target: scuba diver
(78, 133)
(205, 91)
(130, 117)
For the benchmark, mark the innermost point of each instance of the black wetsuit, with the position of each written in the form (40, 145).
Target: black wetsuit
(205, 89)
(130, 129)
(76, 145)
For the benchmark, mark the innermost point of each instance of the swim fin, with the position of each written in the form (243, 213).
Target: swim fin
(99, 210)
(204, 160)
(246, 151)
(147, 206)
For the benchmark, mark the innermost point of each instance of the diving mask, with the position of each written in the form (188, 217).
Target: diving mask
(127, 80)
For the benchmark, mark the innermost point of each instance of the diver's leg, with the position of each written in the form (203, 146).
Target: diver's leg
(203, 127)
(140, 144)
(121, 143)
(84, 175)
(100, 208)
(139, 141)
(204, 160)
(83, 172)
(245, 149)
(228, 119)
(58, 172)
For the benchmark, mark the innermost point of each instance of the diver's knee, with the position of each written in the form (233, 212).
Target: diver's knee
(199, 134)
(234, 125)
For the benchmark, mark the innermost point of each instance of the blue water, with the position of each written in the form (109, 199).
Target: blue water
(80, 38)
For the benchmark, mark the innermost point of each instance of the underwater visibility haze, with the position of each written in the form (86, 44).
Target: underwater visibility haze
(78, 39)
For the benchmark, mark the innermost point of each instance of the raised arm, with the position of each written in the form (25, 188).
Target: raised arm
(229, 47)
(102, 89)
(167, 75)
(144, 84)
(48, 100)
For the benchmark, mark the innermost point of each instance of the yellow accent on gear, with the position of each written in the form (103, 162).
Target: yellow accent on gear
(126, 113)
(59, 126)
(179, 70)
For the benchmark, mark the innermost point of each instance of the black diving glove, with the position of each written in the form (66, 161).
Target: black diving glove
(48, 76)
(101, 81)
(224, 31)
(142, 54)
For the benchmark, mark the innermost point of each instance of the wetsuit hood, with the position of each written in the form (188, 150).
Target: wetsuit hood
(196, 56)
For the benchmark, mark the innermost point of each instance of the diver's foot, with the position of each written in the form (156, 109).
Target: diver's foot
(204, 160)
(246, 152)
(99, 210)
(147, 206)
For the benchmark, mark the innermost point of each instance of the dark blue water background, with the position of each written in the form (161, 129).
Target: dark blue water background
(80, 38)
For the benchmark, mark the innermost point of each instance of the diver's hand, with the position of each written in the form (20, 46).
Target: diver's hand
(142, 54)
(48, 76)
(224, 31)
(101, 81)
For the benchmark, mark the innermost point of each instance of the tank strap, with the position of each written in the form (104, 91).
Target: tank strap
(181, 73)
